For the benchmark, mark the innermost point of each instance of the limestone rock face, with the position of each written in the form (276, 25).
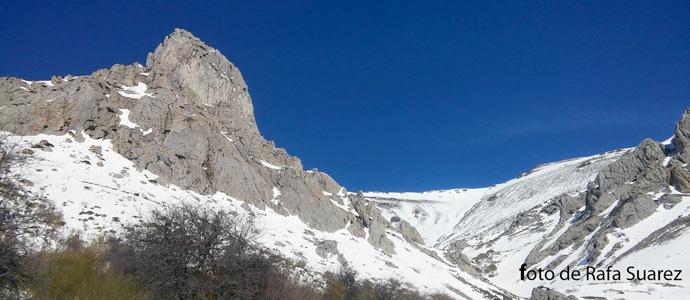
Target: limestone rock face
(187, 116)
(410, 232)
(187, 67)
(680, 176)
(544, 293)
(643, 165)
(462, 261)
(682, 138)
(327, 247)
(370, 217)
(629, 183)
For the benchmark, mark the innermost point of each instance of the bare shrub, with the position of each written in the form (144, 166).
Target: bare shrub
(188, 252)
(26, 221)
(281, 286)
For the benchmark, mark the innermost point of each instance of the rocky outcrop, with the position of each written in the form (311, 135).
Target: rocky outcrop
(565, 205)
(544, 293)
(643, 166)
(327, 247)
(681, 140)
(410, 233)
(680, 177)
(462, 261)
(636, 184)
(187, 116)
(370, 216)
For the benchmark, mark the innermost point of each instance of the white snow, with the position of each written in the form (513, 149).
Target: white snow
(102, 193)
(269, 165)
(608, 210)
(124, 119)
(668, 141)
(276, 193)
(46, 82)
(434, 213)
(135, 92)
(225, 134)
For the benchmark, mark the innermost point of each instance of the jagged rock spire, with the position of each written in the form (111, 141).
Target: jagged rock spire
(184, 64)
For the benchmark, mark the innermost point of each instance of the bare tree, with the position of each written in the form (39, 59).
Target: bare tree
(24, 219)
(187, 252)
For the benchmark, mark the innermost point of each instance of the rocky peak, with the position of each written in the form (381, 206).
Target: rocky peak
(188, 118)
(188, 67)
(178, 46)
(682, 138)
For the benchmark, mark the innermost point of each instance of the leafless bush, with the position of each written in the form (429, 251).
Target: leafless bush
(343, 285)
(25, 220)
(188, 252)
(282, 286)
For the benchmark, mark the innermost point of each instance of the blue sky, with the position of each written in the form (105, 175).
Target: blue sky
(403, 95)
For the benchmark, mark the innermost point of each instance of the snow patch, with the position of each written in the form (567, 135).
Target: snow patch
(668, 141)
(276, 193)
(124, 119)
(608, 210)
(225, 134)
(135, 92)
(270, 166)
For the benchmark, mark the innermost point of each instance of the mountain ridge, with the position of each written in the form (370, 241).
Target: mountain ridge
(185, 122)
(627, 204)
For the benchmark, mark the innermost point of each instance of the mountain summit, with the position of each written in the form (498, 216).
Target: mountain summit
(185, 65)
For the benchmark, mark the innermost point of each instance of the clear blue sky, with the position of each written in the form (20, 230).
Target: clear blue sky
(402, 95)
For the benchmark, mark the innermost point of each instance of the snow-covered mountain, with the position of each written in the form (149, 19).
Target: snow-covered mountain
(626, 209)
(111, 146)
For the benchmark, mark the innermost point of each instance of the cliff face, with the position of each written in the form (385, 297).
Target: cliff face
(187, 116)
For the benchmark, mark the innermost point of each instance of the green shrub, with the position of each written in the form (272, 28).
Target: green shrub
(79, 274)
(335, 288)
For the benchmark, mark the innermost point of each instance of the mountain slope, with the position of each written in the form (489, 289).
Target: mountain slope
(115, 144)
(621, 209)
